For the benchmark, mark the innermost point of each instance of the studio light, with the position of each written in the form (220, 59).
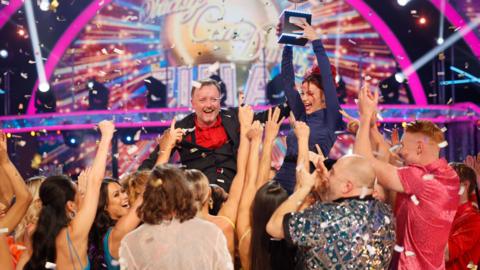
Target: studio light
(156, 93)
(3, 53)
(43, 87)
(98, 95)
(127, 136)
(440, 41)
(44, 5)
(72, 138)
(402, 2)
(399, 77)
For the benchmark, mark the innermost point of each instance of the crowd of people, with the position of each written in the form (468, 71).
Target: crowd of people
(392, 204)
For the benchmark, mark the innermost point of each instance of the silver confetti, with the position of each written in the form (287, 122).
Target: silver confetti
(398, 248)
(414, 199)
(428, 177)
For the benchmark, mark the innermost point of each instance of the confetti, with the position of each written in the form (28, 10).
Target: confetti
(471, 265)
(395, 148)
(443, 144)
(132, 149)
(21, 143)
(414, 199)
(31, 61)
(356, 100)
(324, 225)
(449, 101)
(24, 75)
(462, 190)
(353, 42)
(365, 237)
(409, 253)
(428, 177)
(20, 247)
(398, 248)
(364, 192)
(137, 135)
(147, 81)
(196, 84)
(432, 95)
(371, 250)
(50, 265)
(118, 51)
(104, 51)
(115, 263)
(443, 129)
(3, 230)
(387, 220)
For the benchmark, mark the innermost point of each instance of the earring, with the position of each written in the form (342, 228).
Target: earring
(210, 203)
(71, 215)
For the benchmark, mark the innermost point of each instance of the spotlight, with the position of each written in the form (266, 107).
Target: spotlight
(402, 2)
(72, 138)
(21, 32)
(44, 5)
(156, 93)
(400, 77)
(43, 87)
(127, 136)
(422, 20)
(3, 53)
(440, 41)
(45, 101)
(97, 96)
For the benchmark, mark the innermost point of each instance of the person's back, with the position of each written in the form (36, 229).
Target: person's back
(192, 244)
(349, 232)
(424, 213)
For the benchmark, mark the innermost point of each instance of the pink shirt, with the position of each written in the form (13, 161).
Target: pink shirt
(424, 214)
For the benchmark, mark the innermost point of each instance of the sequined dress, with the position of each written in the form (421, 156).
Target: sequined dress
(349, 233)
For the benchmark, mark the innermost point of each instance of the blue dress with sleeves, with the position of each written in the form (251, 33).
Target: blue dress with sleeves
(323, 123)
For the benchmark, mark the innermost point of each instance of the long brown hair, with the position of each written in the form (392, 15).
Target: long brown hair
(167, 196)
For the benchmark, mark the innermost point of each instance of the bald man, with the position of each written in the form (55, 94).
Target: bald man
(350, 229)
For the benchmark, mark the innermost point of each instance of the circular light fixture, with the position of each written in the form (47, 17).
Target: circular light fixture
(3, 53)
(44, 5)
(400, 77)
(43, 87)
(440, 41)
(402, 2)
(422, 20)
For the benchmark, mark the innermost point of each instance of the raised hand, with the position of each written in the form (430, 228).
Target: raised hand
(256, 131)
(367, 102)
(3, 148)
(107, 128)
(301, 130)
(474, 163)
(245, 117)
(272, 126)
(308, 31)
(170, 137)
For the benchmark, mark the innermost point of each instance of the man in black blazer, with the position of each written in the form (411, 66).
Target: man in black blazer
(211, 136)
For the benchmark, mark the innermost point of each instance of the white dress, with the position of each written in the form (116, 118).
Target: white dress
(193, 244)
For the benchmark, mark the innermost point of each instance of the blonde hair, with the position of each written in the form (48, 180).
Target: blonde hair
(426, 128)
(132, 182)
(33, 212)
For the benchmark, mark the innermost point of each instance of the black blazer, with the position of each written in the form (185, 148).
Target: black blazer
(219, 165)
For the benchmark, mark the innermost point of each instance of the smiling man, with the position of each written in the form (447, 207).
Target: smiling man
(212, 136)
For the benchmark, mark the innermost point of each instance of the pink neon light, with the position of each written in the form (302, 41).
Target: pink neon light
(457, 20)
(8, 11)
(62, 44)
(396, 47)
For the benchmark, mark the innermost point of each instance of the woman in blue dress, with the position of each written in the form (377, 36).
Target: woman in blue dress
(316, 104)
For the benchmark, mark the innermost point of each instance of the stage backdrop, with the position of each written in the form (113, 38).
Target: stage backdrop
(180, 41)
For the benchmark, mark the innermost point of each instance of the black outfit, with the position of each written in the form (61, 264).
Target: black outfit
(219, 165)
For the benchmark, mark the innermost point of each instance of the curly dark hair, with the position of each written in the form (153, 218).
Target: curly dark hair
(167, 196)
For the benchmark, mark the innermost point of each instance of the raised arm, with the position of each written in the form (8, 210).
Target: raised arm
(230, 207)
(243, 219)
(123, 226)
(302, 132)
(167, 143)
(305, 183)
(272, 127)
(83, 220)
(6, 259)
(386, 173)
(23, 197)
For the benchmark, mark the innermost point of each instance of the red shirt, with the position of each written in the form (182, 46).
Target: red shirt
(211, 137)
(464, 240)
(424, 214)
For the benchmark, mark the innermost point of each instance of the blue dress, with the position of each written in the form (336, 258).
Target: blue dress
(106, 253)
(323, 123)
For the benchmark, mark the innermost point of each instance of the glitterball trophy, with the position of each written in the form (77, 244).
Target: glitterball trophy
(290, 32)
